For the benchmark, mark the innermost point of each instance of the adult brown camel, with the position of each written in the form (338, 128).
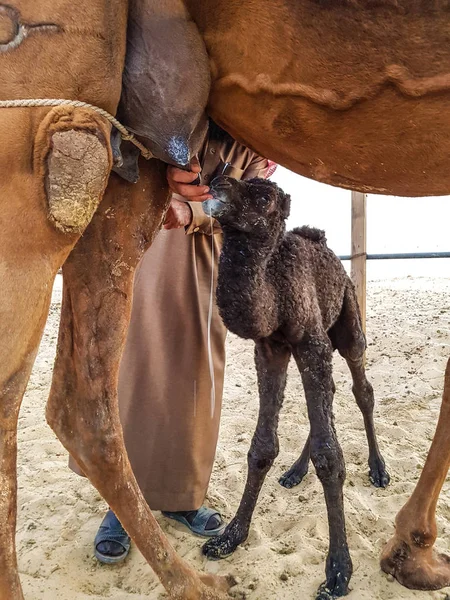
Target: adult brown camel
(353, 93)
(55, 166)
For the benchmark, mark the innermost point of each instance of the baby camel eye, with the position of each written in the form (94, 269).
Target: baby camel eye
(266, 203)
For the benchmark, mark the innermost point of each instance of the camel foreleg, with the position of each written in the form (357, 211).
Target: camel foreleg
(409, 555)
(45, 203)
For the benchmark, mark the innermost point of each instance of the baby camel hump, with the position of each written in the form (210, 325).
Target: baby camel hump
(325, 272)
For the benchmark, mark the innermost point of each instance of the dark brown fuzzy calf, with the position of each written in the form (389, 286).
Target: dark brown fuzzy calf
(291, 295)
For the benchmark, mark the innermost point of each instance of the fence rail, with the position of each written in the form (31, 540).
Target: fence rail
(400, 256)
(359, 256)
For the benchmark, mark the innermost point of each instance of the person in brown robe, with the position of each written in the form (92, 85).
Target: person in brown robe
(170, 403)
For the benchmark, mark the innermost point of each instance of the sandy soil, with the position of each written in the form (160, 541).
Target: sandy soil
(409, 342)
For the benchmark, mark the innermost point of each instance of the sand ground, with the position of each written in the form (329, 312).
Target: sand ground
(409, 343)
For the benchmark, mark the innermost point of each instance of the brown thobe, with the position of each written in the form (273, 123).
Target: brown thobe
(165, 384)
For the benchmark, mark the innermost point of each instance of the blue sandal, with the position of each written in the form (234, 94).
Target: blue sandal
(199, 522)
(111, 530)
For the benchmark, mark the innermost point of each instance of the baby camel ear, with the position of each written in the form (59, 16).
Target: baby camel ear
(285, 204)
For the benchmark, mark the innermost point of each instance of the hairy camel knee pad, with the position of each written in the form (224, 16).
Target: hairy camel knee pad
(72, 153)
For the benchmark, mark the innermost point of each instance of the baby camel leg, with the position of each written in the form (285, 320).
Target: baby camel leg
(272, 361)
(409, 555)
(347, 336)
(299, 469)
(363, 392)
(83, 404)
(314, 359)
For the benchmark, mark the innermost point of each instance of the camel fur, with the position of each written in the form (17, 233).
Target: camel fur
(290, 294)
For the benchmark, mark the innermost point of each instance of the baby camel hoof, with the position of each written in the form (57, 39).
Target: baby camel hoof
(379, 477)
(325, 594)
(339, 590)
(223, 545)
(292, 478)
(339, 571)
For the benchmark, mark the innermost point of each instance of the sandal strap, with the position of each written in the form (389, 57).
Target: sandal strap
(122, 540)
(203, 516)
(111, 530)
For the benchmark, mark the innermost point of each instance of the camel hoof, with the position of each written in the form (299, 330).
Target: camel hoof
(215, 551)
(205, 587)
(224, 545)
(417, 568)
(339, 571)
(216, 586)
(378, 475)
(325, 593)
(292, 478)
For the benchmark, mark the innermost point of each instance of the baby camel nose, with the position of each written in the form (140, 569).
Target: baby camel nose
(222, 182)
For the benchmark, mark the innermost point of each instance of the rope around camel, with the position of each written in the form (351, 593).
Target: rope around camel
(41, 102)
(126, 135)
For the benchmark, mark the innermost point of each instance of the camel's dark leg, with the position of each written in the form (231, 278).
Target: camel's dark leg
(299, 469)
(409, 555)
(363, 392)
(83, 404)
(314, 359)
(348, 337)
(271, 360)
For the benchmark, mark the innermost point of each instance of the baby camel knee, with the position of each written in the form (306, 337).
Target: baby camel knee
(262, 453)
(364, 395)
(328, 460)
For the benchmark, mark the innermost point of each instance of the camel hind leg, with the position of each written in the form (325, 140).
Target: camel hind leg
(299, 469)
(25, 299)
(348, 337)
(11, 393)
(409, 556)
(83, 404)
(314, 360)
(295, 475)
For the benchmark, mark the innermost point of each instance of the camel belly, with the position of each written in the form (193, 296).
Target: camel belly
(388, 145)
(354, 94)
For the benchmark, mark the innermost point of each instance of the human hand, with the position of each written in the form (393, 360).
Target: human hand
(180, 182)
(178, 215)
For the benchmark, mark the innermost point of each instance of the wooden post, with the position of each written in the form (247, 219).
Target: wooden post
(359, 250)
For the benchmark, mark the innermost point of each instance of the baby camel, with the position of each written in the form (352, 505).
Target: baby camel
(290, 294)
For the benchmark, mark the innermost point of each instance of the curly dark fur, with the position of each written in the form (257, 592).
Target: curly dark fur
(311, 233)
(291, 295)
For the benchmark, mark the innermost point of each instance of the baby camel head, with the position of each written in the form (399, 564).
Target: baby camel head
(256, 206)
